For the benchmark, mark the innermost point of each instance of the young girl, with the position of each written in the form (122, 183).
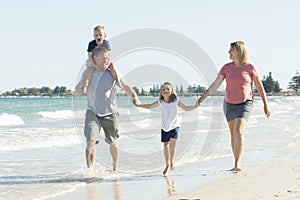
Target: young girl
(168, 102)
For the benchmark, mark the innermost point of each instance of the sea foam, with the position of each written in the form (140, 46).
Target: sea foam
(10, 119)
(58, 114)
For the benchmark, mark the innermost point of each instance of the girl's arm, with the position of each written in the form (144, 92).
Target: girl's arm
(262, 94)
(212, 88)
(149, 106)
(187, 108)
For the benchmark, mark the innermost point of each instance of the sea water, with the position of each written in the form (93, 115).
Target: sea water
(42, 146)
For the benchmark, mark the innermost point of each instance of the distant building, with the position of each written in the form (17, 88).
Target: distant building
(288, 92)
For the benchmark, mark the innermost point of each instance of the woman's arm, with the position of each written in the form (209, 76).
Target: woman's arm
(187, 108)
(262, 94)
(212, 88)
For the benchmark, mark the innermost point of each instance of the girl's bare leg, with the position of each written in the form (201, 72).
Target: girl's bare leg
(167, 157)
(172, 152)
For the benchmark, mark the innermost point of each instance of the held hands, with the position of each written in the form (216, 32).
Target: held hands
(136, 101)
(197, 104)
(199, 101)
(267, 111)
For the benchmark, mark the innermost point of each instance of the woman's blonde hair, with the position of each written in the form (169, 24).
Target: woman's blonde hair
(173, 95)
(241, 49)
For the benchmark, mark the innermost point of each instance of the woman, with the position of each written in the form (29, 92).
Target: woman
(239, 75)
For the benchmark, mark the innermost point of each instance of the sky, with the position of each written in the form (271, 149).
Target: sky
(44, 42)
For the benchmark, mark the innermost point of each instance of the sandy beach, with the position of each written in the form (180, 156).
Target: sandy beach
(52, 166)
(268, 181)
(278, 179)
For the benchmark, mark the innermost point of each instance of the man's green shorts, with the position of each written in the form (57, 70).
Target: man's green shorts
(94, 123)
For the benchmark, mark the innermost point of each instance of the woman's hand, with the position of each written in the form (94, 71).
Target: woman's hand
(267, 111)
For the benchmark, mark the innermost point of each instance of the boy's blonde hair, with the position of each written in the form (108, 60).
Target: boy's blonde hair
(99, 29)
(241, 49)
(173, 95)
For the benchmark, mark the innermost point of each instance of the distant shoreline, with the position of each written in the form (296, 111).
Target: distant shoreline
(144, 96)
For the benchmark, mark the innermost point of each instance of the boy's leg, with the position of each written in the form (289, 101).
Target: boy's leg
(87, 78)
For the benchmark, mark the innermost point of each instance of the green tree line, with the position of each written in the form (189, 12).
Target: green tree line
(44, 91)
(270, 85)
(154, 91)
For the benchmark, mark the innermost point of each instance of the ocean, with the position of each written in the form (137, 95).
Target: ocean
(42, 147)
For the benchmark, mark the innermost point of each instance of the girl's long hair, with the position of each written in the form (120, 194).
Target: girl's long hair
(173, 95)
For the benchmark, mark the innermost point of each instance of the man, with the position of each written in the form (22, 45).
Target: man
(102, 110)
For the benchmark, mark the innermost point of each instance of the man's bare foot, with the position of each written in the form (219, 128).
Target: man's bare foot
(236, 169)
(166, 170)
(90, 160)
(172, 166)
(90, 164)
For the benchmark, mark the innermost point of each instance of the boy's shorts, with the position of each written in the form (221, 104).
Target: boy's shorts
(94, 123)
(166, 136)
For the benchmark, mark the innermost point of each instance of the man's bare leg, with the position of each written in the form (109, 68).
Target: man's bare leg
(90, 153)
(167, 157)
(114, 154)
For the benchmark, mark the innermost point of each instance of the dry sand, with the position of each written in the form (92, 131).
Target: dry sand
(268, 181)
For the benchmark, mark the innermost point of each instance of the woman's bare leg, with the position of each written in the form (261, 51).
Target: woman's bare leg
(237, 127)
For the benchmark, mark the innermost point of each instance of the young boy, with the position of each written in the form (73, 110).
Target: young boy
(102, 110)
(99, 35)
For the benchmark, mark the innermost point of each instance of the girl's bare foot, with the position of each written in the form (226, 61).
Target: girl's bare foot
(172, 166)
(236, 169)
(166, 170)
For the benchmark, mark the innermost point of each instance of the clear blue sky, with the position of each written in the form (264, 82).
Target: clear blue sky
(44, 42)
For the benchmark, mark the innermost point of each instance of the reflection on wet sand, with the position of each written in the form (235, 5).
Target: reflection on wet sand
(93, 193)
(112, 188)
(116, 189)
(171, 185)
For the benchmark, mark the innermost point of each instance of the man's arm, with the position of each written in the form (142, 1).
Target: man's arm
(80, 85)
(130, 92)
